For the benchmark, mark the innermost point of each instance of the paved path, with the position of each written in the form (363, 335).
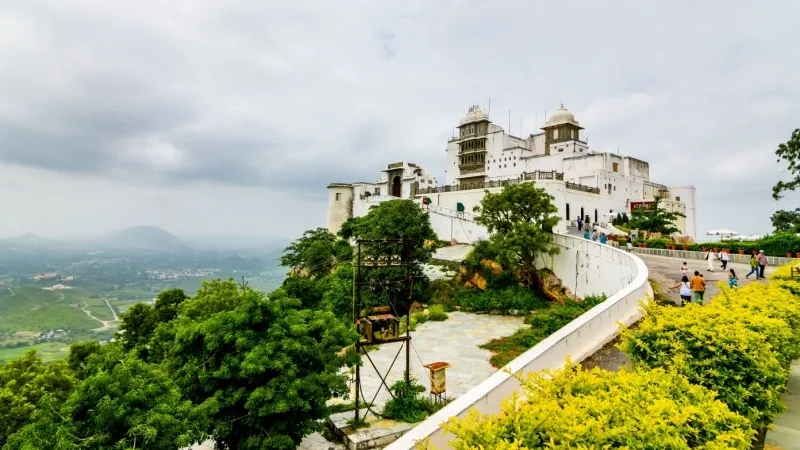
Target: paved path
(786, 432)
(667, 272)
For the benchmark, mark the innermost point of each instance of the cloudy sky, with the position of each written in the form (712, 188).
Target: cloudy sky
(232, 116)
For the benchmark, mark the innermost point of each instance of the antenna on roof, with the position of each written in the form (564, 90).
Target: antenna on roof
(489, 109)
(509, 121)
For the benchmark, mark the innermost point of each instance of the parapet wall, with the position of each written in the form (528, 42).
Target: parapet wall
(586, 267)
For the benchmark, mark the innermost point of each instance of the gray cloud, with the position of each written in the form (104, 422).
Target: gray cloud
(289, 96)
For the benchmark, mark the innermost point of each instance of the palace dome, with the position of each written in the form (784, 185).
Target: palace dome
(561, 116)
(474, 114)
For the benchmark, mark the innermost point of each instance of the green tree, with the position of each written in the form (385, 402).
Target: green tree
(520, 219)
(132, 405)
(24, 383)
(790, 153)
(786, 221)
(316, 253)
(393, 219)
(655, 219)
(141, 320)
(261, 368)
(79, 353)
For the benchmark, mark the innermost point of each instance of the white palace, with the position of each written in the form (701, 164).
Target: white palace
(585, 183)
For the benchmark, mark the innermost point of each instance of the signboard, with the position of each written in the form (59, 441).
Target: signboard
(438, 382)
(644, 205)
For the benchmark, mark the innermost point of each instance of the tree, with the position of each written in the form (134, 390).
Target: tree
(79, 353)
(789, 152)
(786, 221)
(131, 405)
(24, 383)
(316, 253)
(393, 219)
(261, 368)
(655, 219)
(141, 320)
(520, 219)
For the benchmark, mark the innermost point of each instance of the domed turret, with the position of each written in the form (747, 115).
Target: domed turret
(560, 117)
(475, 114)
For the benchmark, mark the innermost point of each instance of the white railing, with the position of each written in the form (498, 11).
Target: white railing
(596, 268)
(449, 212)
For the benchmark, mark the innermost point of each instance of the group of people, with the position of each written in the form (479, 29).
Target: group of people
(757, 263)
(595, 236)
(696, 286)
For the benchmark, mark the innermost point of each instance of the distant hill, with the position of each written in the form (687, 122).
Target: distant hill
(146, 238)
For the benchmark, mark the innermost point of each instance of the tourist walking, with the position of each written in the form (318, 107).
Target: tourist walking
(586, 235)
(698, 287)
(684, 269)
(753, 266)
(580, 224)
(733, 281)
(710, 256)
(630, 243)
(725, 257)
(686, 290)
(603, 238)
(762, 263)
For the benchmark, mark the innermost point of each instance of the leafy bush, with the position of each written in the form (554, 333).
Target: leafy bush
(506, 299)
(720, 348)
(784, 272)
(542, 324)
(408, 405)
(436, 313)
(443, 292)
(773, 245)
(600, 409)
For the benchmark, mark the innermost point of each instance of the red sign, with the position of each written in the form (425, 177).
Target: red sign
(645, 205)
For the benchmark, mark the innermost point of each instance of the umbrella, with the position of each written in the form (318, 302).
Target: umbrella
(722, 232)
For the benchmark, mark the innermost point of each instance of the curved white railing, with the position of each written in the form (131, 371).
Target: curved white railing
(597, 269)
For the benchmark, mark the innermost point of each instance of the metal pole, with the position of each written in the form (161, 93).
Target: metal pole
(356, 310)
(409, 286)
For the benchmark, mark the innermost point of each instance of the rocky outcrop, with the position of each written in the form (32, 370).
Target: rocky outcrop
(551, 286)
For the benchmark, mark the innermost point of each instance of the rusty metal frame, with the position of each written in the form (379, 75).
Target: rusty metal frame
(386, 256)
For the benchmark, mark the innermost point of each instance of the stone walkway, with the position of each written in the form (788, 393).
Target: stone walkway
(786, 432)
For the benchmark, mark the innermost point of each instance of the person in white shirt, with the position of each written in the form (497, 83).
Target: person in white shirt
(725, 257)
(710, 256)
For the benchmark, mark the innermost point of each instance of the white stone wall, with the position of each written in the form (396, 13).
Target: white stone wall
(340, 206)
(594, 268)
(688, 196)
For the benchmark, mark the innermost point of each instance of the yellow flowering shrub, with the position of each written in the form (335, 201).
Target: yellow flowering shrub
(579, 409)
(784, 272)
(739, 345)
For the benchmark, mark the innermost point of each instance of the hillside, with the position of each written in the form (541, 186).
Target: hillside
(146, 238)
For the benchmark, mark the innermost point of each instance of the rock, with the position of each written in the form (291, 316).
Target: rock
(551, 286)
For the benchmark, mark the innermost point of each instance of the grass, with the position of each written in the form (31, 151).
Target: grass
(49, 351)
(541, 325)
(31, 308)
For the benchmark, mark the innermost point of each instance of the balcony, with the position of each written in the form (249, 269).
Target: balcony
(582, 188)
(537, 175)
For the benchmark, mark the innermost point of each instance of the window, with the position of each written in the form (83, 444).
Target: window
(515, 164)
(572, 134)
(615, 167)
(338, 196)
(555, 133)
(677, 199)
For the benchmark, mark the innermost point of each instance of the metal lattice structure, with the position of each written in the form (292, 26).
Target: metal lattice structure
(381, 325)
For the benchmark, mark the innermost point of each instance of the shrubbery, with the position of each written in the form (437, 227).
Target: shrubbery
(513, 298)
(773, 245)
(703, 377)
(542, 324)
(600, 409)
(408, 403)
(436, 313)
(739, 345)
